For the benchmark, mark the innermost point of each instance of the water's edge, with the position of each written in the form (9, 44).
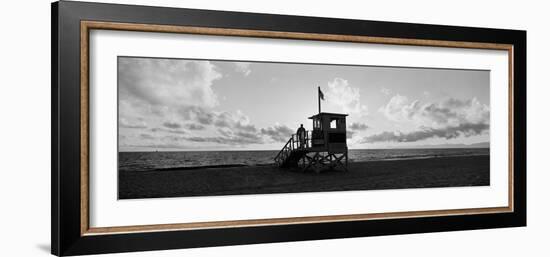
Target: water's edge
(165, 161)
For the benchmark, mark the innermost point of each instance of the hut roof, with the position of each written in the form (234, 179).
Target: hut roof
(328, 114)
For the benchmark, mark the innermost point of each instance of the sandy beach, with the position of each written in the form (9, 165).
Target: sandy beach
(373, 175)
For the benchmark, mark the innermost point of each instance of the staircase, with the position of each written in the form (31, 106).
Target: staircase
(292, 152)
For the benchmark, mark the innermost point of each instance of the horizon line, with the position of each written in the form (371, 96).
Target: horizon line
(266, 150)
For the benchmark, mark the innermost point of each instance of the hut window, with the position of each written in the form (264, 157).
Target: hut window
(333, 124)
(341, 123)
(316, 123)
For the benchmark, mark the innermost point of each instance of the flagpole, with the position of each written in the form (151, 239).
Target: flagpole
(319, 98)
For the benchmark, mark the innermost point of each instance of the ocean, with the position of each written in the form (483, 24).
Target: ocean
(144, 161)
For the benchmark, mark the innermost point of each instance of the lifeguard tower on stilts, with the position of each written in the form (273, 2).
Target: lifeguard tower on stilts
(322, 148)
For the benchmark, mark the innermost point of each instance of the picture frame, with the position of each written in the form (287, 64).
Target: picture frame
(70, 212)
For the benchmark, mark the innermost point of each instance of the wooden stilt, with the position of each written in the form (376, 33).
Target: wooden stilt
(319, 161)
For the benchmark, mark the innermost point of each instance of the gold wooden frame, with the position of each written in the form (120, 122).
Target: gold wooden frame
(86, 26)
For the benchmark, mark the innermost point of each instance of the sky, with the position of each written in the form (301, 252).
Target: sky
(186, 105)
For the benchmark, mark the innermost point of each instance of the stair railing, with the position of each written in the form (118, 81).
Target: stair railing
(291, 145)
(285, 152)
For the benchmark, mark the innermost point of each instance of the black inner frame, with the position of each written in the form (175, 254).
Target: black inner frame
(65, 166)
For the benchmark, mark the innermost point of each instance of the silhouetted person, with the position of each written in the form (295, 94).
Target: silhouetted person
(301, 133)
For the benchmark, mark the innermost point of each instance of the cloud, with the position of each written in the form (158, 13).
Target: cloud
(234, 122)
(199, 114)
(228, 137)
(167, 82)
(158, 142)
(224, 140)
(238, 132)
(245, 127)
(125, 123)
(192, 126)
(398, 108)
(466, 130)
(447, 113)
(355, 128)
(177, 132)
(146, 136)
(243, 68)
(358, 126)
(172, 131)
(172, 125)
(234, 128)
(385, 91)
(448, 119)
(341, 94)
(218, 119)
(278, 133)
(177, 97)
(224, 119)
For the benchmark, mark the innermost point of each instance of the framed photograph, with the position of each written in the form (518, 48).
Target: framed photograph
(178, 128)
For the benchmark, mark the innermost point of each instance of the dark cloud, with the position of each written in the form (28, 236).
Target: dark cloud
(171, 125)
(233, 140)
(463, 111)
(198, 114)
(205, 118)
(354, 128)
(246, 135)
(278, 133)
(173, 131)
(192, 126)
(208, 117)
(439, 113)
(225, 132)
(358, 126)
(146, 136)
(241, 134)
(466, 130)
(221, 123)
(132, 126)
(232, 136)
(234, 121)
(177, 132)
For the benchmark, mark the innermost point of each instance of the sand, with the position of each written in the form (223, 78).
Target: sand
(376, 175)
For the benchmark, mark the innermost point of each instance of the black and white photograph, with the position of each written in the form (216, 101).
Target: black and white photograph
(283, 128)
(200, 127)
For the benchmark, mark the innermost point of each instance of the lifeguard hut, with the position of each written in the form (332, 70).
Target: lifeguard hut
(324, 147)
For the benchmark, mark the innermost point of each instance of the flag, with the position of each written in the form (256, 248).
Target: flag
(321, 95)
